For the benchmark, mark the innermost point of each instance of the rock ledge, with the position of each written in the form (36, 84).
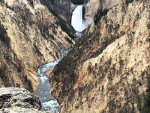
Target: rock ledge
(18, 100)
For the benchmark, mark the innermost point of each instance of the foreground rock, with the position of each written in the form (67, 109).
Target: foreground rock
(20, 110)
(108, 71)
(18, 100)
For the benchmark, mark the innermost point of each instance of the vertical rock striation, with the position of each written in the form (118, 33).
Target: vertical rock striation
(29, 37)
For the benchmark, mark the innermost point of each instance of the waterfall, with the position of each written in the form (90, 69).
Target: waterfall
(77, 20)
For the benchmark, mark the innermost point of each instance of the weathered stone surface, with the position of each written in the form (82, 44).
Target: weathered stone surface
(18, 97)
(20, 110)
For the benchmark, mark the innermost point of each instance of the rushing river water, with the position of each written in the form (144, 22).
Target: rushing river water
(49, 103)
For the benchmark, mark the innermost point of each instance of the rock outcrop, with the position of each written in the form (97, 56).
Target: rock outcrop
(59, 7)
(29, 37)
(62, 8)
(18, 100)
(108, 69)
(93, 6)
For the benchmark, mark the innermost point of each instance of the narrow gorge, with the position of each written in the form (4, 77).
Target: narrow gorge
(75, 56)
(49, 103)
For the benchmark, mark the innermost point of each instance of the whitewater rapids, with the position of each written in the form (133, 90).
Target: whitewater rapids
(49, 103)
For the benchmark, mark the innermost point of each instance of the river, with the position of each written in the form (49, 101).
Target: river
(49, 103)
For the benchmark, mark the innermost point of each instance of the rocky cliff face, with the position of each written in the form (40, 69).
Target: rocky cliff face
(108, 69)
(93, 6)
(59, 7)
(18, 100)
(29, 37)
(62, 8)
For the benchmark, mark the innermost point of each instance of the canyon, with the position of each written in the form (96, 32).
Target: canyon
(106, 71)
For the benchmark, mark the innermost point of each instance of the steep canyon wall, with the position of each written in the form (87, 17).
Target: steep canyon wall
(29, 37)
(107, 70)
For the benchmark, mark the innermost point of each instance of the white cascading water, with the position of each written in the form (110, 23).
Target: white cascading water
(77, 20)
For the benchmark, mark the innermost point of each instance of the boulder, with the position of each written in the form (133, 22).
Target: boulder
(18, 100)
